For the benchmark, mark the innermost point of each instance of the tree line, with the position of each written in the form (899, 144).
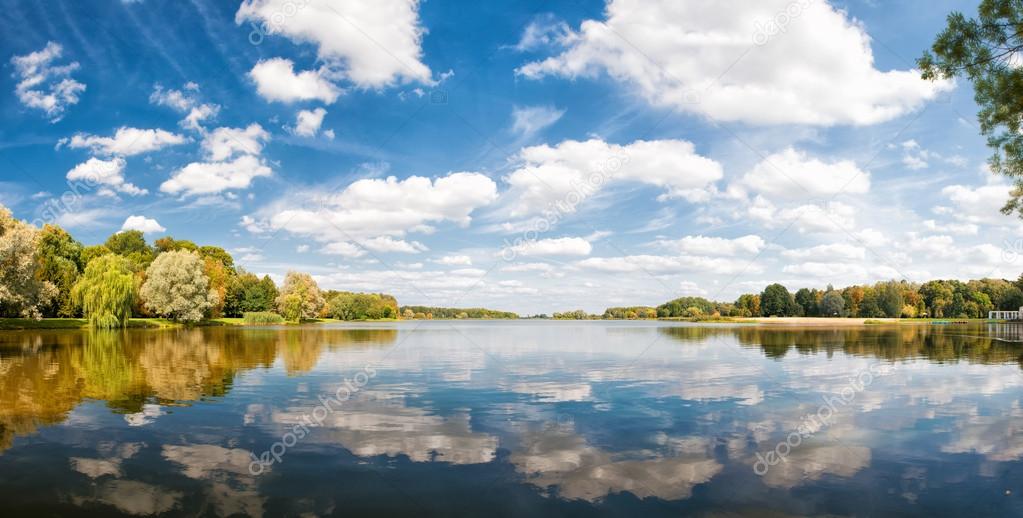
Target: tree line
(429, 312)
(891, 299)
(45, 272)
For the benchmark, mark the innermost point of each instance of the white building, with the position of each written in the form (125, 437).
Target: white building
(1005, 315)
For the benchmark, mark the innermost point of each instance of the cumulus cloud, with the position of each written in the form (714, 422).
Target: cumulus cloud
(705, 245)
(44, 85)
(455, 260)
(528, 120)
(233, 162)
(807, 218)
(142, 224)
(224, 143)
(673, 53)
(827, 252)
(370, 208)
(126, 141)
(571, 171)
(276, 80)
(388, 244)
(980, 205)
(373, 43)
(308, 122)
(658, 264)
(108, 175)
(794, 175)
(185, 101)
(213, 177)
(554, 247)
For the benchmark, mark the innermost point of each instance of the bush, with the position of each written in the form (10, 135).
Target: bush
(262, 318)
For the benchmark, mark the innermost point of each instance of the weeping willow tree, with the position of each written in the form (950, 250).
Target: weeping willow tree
(107, 291)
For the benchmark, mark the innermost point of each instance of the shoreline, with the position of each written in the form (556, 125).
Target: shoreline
(82, 324)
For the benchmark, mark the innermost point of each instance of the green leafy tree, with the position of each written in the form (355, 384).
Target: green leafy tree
(890, 299)
(748, 305)
(176, 287)
(131, 244)
(832, 304)
(91, 252)
(107, 291)
(807, 301)
(60, 264)
(986, 50)
(169, 244)
(300, 297)
(776, 301)
(219, 254)
(247, 293)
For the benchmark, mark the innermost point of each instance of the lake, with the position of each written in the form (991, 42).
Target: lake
(526, 418)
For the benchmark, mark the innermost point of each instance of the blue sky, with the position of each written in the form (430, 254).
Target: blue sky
(530, 156)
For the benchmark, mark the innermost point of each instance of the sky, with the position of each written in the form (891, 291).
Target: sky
(528, 156)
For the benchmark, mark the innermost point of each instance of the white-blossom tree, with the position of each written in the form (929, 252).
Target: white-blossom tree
(21, 292)
(176, 287)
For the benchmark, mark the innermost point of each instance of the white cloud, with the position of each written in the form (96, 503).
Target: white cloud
(657, 264)
(529, 267)
(833, 217)
(842, 272)
(572, 171)
(690, 289)
(142, 224)
(827, 252)
(45, 86)
(106, 174)
(793, 175)
(544, 31)
(455, 260)
(375, 207)
(344, 249)
(819, 70)
(555, 246)
(704, 245)
(961, 229)
(980, 205)
(388, 244)
(528, 120)
(276, 80)
(372, 42)
(308, 122)
(88, 218)
(126, 141)
(214, 177)
(185, 101)
(224, 143)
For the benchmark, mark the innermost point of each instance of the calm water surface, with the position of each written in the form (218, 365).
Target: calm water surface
(514, 418)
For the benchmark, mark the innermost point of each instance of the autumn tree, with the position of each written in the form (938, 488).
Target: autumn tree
(300, 297)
